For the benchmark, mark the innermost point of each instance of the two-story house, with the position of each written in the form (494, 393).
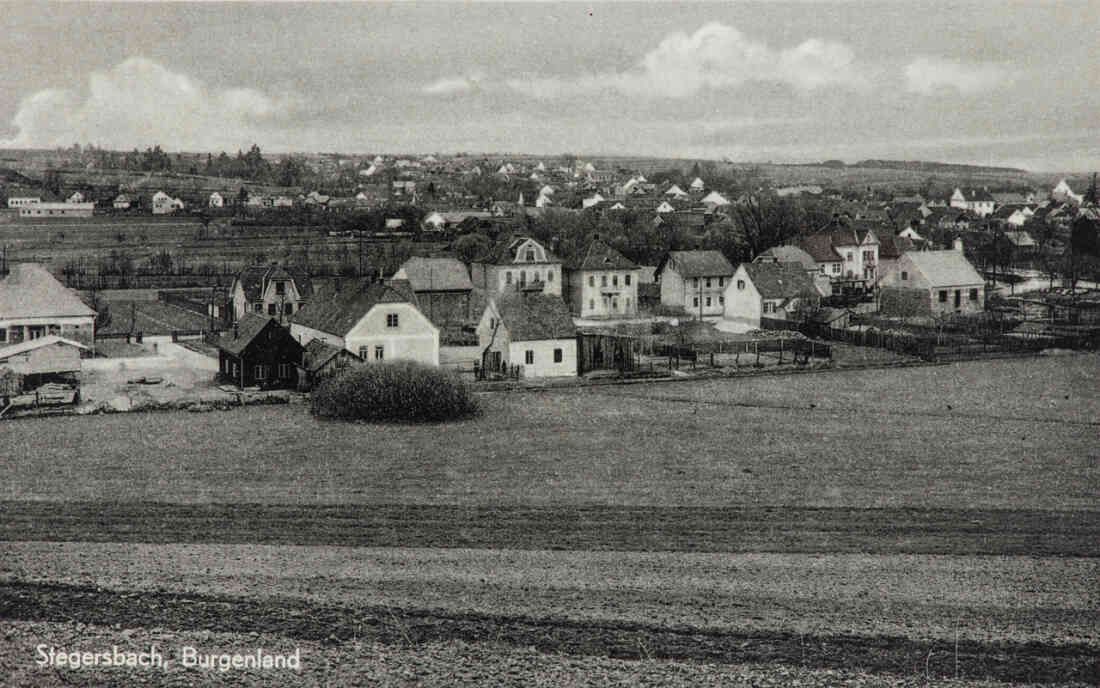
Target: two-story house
(271, 290)
(848, 256)
(603, 283)
(377, 321)
(514, 263)
(694, 281)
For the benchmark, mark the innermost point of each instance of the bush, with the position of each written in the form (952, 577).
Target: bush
(398, 391)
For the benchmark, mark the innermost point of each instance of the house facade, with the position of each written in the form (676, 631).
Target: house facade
(848, 256)
(442, 286)
(529, 331)
(603, 283)
(516, 263)
(216, 200)
(932, 283)
(270, 290)
(259, 352)
(34, 304)
(768, 290)
(374, 321)
(47, 210)
(694, 281)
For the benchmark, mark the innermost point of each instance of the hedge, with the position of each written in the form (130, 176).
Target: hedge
(394, 391)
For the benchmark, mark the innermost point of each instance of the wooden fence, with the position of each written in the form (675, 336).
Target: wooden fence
(606, 352)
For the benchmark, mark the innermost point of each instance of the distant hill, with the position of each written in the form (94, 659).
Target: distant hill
(941, 167)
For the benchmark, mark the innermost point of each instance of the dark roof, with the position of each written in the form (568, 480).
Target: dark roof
(503, 252)
(697, 263)
(437, 274)
(820, 247)
(254, 278)
(319, 352)
(531, 316)
(787, 254)
(892, 246)
(780, 280)
(601, 256)
(244, 332)
(337, 308)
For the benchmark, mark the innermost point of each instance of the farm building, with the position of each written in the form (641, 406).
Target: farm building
(528, 331)
(259, 351)
(40, 210)
(321, 360)
(276, 291)
(516, 262)
(768, 290)
(603, 283)
(932, 283)
(375, 320)
(694, 281)
(442, 287)
(34, 304)
(43, 359)
(22, 201)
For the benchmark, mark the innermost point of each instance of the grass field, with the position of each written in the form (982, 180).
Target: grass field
(879, 527)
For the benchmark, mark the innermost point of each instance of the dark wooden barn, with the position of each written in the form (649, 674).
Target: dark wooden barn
(259, 352)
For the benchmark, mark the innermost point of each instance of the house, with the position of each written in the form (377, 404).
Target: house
(891, 248)
(403, 188)
(44, 358)
(34, 304)
(529, 331)
(847, 255)
(1064, 194)
(163, 204)
(793, 254)
(259, 351)
(592, 200)
(377, 321)
(978, 201)
(216, 200)
(122, 202)
(697, 185)
(21, 201)
(603, 283)
(768, 290)
(76, 197)
(694, 281)
(442, 287)
(665, 207)
(715, 200)
(57, 210)
(514, 262)
(932, 283)
(320, 361)
(276, 291)
(676, 192)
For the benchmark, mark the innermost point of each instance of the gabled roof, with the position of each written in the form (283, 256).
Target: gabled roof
(435, 274)
(715, 198)
(32, 344)
(820, 247)
(892, 246)
(532, 316)
(244, 333)
(780, 280)
(601, 256)
(504, 251)
(945, 268)
(787, 254)
(30, 291)
(697, 263)
(319, 352)
(255, 278)
(1020, 238)
(339, 307)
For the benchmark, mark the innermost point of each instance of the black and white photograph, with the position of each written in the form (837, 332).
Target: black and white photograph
(553, 343)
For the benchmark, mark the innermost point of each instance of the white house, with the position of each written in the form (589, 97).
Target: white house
(714, 200)
(932, 283)
(34, 304)
(592, 200)
(665, 207)
(697, 185)
(122, 202)
(216, 200)
(980, 202)
(845, 254)
(694, 281)
(20, 201)
(77, 197)
(373, 320)
(163, 204)
(516, 262)
(1063, 193)
(603, 283)
(769, 290)
(529, 330)
(57, 210)
(676, 192)
(270, 290)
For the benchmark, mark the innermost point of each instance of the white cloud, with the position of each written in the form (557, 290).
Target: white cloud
(927, 75)
(715, 56)
(140, 102)
(453, 85)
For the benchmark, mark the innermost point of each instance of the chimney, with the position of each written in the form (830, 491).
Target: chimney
(957, 244)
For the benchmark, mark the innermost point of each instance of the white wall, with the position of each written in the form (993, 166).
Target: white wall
(743, 306)
(543, 351)
(415, 338)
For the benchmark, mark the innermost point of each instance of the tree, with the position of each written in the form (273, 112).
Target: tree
(470, 247)
(1091, 195)
(766, 221)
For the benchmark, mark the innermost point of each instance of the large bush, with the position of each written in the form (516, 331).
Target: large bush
(398, 391)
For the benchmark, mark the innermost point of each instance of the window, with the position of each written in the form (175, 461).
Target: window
(234, 370)
(288, 308)
(280, 288)
(721, 300)
(904, 276)
(848, 256)
(392, 320)
(603, 280)
(284, 370)
(626, 280)
(258, 307)
(614, 280)
(868, 256)
(3, 334)
(523, 278)
(508, 277)
(973, 294)
(836, 268)
(260, 372)
(628, 303)
(740, 285)
(695, 302)
(695, 282)
(591, 280)
(721, 281)
(379, 352)
(943, 296)
(708, 283)
(364, 352)
(530, 255)
(272, 309)
(557, 356)
(549, 275)
(767, 307)
(529, 357)
(615, 304)
(591, 304)
(492, 324)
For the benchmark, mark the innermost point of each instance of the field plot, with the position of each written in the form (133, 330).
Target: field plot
(152, 318)
(880, 527)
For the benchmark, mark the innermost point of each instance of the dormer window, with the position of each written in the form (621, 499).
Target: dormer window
(280, 288)
(530, 255)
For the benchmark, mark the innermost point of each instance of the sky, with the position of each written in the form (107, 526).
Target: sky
(1002, 83)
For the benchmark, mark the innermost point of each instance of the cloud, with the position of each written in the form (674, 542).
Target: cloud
(140, 102)
(714, 57)
(453, 85)
(927, 75)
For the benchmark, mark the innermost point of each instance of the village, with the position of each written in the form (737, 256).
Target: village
(538, 293)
